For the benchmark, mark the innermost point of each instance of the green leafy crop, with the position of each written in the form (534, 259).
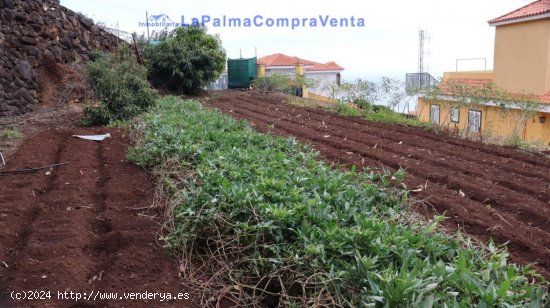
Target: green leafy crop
(262, 221)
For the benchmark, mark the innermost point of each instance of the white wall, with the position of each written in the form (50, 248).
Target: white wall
(280, 71)
(321, 79)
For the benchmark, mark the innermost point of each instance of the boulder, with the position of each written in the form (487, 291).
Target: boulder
(27, 40)
(25, 70)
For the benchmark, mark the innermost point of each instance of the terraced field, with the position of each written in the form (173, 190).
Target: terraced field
(488, 191)
(80, 227)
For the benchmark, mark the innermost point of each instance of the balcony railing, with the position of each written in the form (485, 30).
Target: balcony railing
(417, 82)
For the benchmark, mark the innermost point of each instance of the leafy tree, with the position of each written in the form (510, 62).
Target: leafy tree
(303, 81)
(521, 107)
(358, 91)
(334, 90)
(392, 91)
(365, 93)
(187, 60)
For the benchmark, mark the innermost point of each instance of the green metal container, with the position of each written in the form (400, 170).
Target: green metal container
(241, 72)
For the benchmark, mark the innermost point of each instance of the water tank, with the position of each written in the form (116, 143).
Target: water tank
(241, 72)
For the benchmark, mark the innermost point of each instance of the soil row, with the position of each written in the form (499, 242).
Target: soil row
(82, 227)
(495, 193)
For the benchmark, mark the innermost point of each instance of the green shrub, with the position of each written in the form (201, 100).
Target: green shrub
(345, 109)
(120, 84)
(285, 84)
(363, 104)
(272, 225)
(384, 114)
(11, 133)
(186, 61)
(273, 83)
(383, 109)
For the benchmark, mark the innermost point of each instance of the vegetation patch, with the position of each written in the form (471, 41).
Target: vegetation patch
(283, 84)
(385, 114)
(11, 133)
(346, 109)
(120, 84)
(262, 221)
(375, 113)
(374, 101)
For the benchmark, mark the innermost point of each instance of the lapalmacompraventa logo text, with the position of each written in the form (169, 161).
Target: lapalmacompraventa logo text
(258, 21)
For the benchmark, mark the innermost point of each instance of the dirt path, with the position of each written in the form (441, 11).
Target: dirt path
(489, 191)
(82, 228)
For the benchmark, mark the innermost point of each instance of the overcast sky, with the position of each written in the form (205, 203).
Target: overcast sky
(386, 46)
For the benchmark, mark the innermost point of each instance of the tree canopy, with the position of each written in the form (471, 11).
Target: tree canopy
(188, 59)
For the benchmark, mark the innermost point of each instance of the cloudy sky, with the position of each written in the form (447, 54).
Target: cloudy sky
(386, 46)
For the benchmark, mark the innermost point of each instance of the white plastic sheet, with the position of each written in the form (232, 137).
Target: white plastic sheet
(94, 137)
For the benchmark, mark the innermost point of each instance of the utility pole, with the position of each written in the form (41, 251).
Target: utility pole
(147, 23)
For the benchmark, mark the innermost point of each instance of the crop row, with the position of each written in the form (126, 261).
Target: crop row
(263, 221)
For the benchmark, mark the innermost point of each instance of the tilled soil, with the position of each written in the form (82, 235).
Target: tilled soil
(82, 227)
(485, 190)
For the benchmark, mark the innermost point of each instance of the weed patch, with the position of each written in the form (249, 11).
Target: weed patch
(386, 115)
(11, 133)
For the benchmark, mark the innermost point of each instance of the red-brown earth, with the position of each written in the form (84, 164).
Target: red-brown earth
(86, 226)
(485, 190)
(83, 227)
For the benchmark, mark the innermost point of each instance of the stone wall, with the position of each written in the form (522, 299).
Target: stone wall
(38, 38)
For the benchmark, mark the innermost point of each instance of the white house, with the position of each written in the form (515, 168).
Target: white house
(322, 73)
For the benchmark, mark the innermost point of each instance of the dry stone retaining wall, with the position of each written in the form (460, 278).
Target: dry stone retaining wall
(37, 37)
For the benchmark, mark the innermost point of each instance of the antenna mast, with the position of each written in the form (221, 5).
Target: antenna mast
(421, 40)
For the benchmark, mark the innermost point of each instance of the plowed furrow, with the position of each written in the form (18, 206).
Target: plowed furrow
(490, 193)
(430, 141)
(535, 187)
(531, 210)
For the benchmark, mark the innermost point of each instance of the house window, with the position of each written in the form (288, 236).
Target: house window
(434, 114)
(455, 114)
(474, 121)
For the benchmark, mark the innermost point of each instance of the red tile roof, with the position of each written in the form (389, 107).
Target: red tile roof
(539, 7)
(329, 66)
(545, 98)
(446, 87)
(475, 82)
(280, 59)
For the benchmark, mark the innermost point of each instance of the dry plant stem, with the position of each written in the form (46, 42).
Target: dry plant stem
(28, 170)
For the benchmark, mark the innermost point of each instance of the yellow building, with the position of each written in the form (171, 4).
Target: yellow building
(522, 66)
